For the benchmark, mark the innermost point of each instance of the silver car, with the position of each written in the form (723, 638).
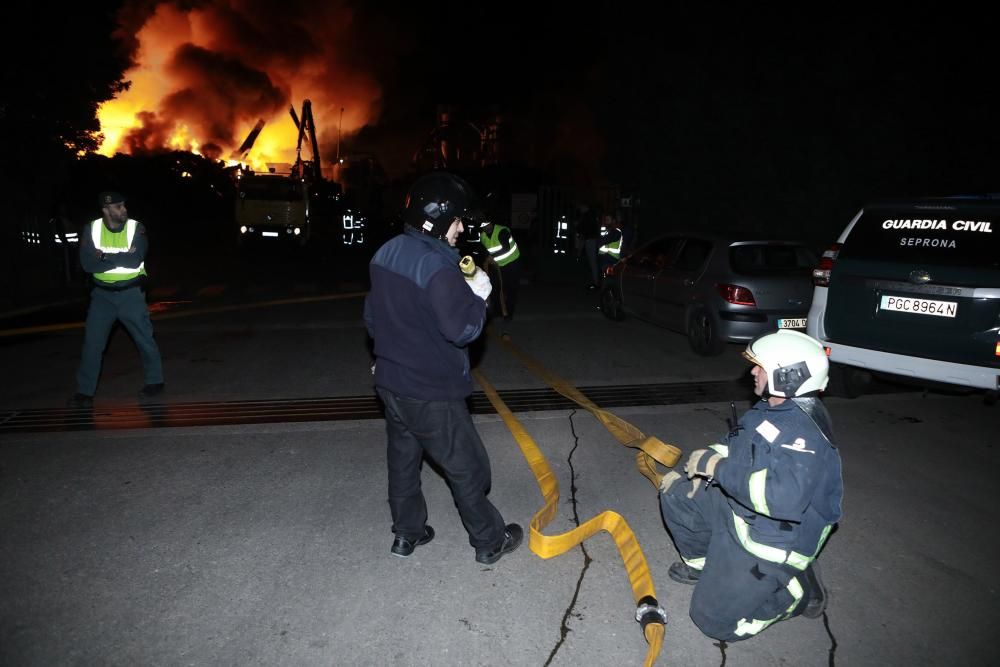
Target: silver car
(715, 289)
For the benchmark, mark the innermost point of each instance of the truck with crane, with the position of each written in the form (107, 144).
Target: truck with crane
(295, 205)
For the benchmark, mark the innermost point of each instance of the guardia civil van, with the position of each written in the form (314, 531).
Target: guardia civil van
(912, 289)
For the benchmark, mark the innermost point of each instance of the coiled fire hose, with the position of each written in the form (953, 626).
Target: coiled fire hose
(650, 615)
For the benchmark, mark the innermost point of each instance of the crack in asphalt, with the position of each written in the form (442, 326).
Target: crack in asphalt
(564, 628)
(833, 640)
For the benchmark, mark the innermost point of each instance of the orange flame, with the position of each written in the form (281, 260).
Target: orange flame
(203, 77)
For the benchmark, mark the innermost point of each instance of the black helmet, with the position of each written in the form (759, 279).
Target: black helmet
(476, 219)
(435, 200)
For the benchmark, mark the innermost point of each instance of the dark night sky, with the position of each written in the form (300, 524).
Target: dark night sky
(736, 119)
(749, 117)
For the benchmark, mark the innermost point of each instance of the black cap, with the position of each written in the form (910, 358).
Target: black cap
(109, 197)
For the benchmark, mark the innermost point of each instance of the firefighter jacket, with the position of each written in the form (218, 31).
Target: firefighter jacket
(116, 259)
(782, 478)
(501, 245)
(422, 315)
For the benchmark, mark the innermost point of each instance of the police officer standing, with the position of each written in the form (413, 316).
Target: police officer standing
(610, 250)
(760, 504)
(422, 314)
(113, 250)
(500, 243)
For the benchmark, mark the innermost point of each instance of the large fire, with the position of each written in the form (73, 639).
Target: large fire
(203, 77)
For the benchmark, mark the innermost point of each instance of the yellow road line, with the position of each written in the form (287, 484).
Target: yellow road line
(549, 546)
(65, 326)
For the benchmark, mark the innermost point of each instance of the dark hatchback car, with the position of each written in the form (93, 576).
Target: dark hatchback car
(715, 289)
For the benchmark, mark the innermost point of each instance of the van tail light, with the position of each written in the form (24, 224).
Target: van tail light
(821, 274)
(735, 294)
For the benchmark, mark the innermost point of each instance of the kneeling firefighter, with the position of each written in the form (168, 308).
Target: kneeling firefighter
(762, 502)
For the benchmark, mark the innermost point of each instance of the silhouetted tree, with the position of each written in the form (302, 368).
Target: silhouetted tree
(51, 91)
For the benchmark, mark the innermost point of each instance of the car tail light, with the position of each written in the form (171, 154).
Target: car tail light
(735, 294)
(821, 274)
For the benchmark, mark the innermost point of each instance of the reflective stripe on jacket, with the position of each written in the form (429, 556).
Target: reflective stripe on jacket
(612, 247)
(111, 243)
(782, 478)
(502, 256)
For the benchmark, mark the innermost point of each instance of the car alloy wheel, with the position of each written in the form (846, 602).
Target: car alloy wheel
(703, 335)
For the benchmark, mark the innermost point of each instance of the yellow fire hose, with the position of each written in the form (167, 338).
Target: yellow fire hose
(651, 450)
(648, 611)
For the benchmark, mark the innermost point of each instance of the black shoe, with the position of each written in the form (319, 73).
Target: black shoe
(151, 390)
(816, 592)
(403, 547)
(683, 573)
(512, 537)
(81, 401)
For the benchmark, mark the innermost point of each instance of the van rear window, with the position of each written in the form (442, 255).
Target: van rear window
(945, 235)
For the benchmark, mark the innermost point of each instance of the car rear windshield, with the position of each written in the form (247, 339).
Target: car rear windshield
(950, 235)
(771, 258)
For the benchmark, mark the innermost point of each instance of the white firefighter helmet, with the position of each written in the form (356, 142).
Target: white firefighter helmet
(796, 364)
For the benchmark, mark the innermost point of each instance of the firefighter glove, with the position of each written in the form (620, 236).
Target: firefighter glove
(480, 284)
(702, 463)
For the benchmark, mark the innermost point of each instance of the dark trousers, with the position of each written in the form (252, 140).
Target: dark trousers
(737, 595)
(443, 430)
(590, 251)
(505, 281)
(106, 306)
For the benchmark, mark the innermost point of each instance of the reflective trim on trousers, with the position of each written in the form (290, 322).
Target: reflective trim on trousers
(773, 554)
(695, 563)
(754, 626)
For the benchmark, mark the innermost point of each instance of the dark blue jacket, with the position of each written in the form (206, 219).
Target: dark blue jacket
(783, 479)
(422, 315)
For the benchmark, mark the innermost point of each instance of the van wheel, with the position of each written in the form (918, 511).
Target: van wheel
(849, 381)
(703, 334)
(611, 304)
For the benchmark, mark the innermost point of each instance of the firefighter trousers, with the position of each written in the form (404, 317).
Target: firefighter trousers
(737, 595)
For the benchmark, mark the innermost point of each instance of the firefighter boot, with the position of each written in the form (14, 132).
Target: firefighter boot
(816, 602)
(683, 573)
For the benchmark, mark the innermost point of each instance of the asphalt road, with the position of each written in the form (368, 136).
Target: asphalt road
(268, 543)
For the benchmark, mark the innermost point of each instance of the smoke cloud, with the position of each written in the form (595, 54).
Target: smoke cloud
(205, 72)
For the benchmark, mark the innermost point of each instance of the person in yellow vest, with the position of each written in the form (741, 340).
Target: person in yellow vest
(113, 250)
(500, 244)
(610, 250)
